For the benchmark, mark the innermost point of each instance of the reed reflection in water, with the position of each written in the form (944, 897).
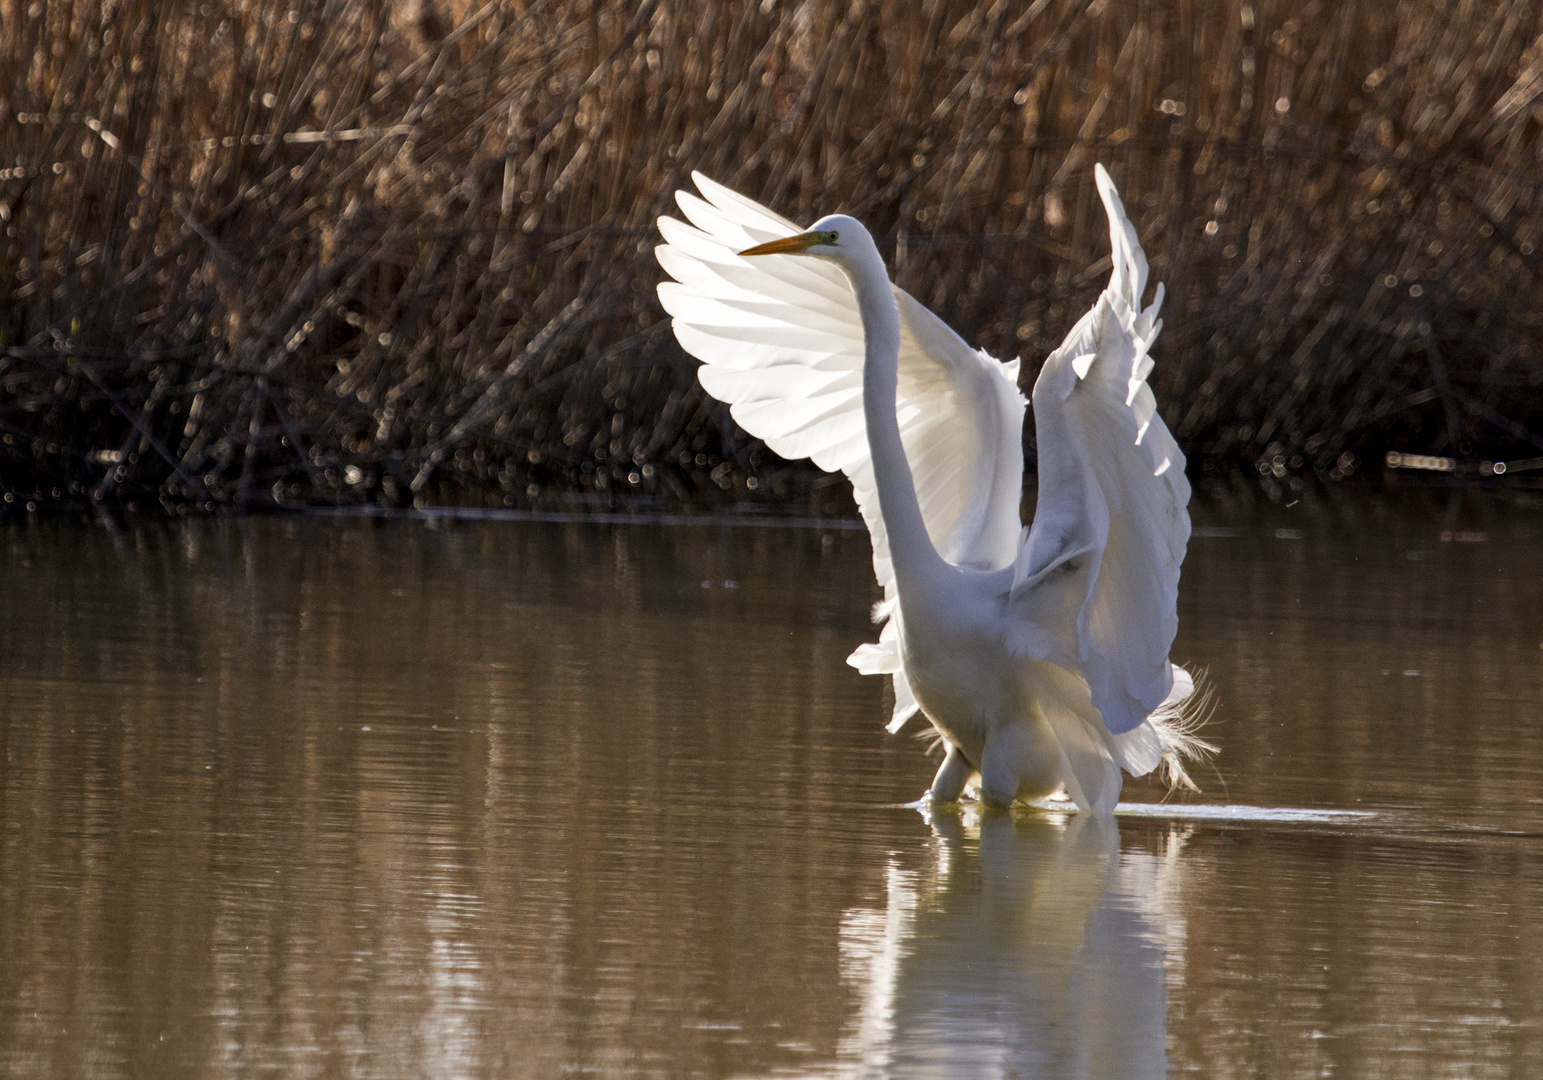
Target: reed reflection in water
(381, 799)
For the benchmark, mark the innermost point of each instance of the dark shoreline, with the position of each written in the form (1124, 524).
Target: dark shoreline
(251, 258)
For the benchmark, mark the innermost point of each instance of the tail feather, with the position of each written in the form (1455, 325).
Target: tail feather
(1176, 723)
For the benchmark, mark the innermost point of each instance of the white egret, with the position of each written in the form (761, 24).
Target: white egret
(1040, 655)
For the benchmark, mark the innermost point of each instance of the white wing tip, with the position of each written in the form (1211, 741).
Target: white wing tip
(705, 184)
(1109, 193)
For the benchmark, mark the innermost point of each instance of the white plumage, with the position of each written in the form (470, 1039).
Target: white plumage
(1040, 655)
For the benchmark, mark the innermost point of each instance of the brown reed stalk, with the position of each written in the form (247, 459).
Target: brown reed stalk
(257, 252)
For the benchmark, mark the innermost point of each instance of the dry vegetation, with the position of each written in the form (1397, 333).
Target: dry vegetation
(355, 249)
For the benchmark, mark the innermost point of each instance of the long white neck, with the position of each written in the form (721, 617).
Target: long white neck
(917, 563)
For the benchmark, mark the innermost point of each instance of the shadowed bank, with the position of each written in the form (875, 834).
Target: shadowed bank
(257, 254)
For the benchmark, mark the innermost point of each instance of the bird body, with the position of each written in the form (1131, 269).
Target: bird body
(1040, 656)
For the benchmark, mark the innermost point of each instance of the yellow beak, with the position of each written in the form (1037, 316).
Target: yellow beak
(788, 245)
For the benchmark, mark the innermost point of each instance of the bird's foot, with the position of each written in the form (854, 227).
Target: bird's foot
(993, 799)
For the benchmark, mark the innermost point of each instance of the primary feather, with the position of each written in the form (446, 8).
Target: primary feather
(1087, 596)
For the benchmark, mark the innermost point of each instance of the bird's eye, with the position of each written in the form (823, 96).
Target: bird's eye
(830, 236)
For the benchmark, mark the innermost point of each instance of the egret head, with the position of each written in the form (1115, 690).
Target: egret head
(835, 236)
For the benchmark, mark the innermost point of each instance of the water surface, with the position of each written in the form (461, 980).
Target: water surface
(331, 797)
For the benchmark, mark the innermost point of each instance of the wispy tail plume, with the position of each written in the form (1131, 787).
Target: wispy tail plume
(1176, 723)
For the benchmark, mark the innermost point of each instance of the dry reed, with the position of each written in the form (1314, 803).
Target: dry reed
(258, 252)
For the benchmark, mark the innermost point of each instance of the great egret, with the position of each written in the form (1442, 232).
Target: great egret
(1040, 655)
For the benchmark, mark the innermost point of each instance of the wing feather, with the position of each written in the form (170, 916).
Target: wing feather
(1096, 585)
(780, 341)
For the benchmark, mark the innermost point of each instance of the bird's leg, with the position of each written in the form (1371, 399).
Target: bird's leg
(952, 775)
(999, 766)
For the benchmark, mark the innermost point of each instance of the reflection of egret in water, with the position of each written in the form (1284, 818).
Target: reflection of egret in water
(1034, 948)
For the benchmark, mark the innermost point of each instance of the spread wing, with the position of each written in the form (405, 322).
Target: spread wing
(781, 343)
(1095, 588)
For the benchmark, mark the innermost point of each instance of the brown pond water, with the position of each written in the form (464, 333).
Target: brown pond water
(313, 797)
